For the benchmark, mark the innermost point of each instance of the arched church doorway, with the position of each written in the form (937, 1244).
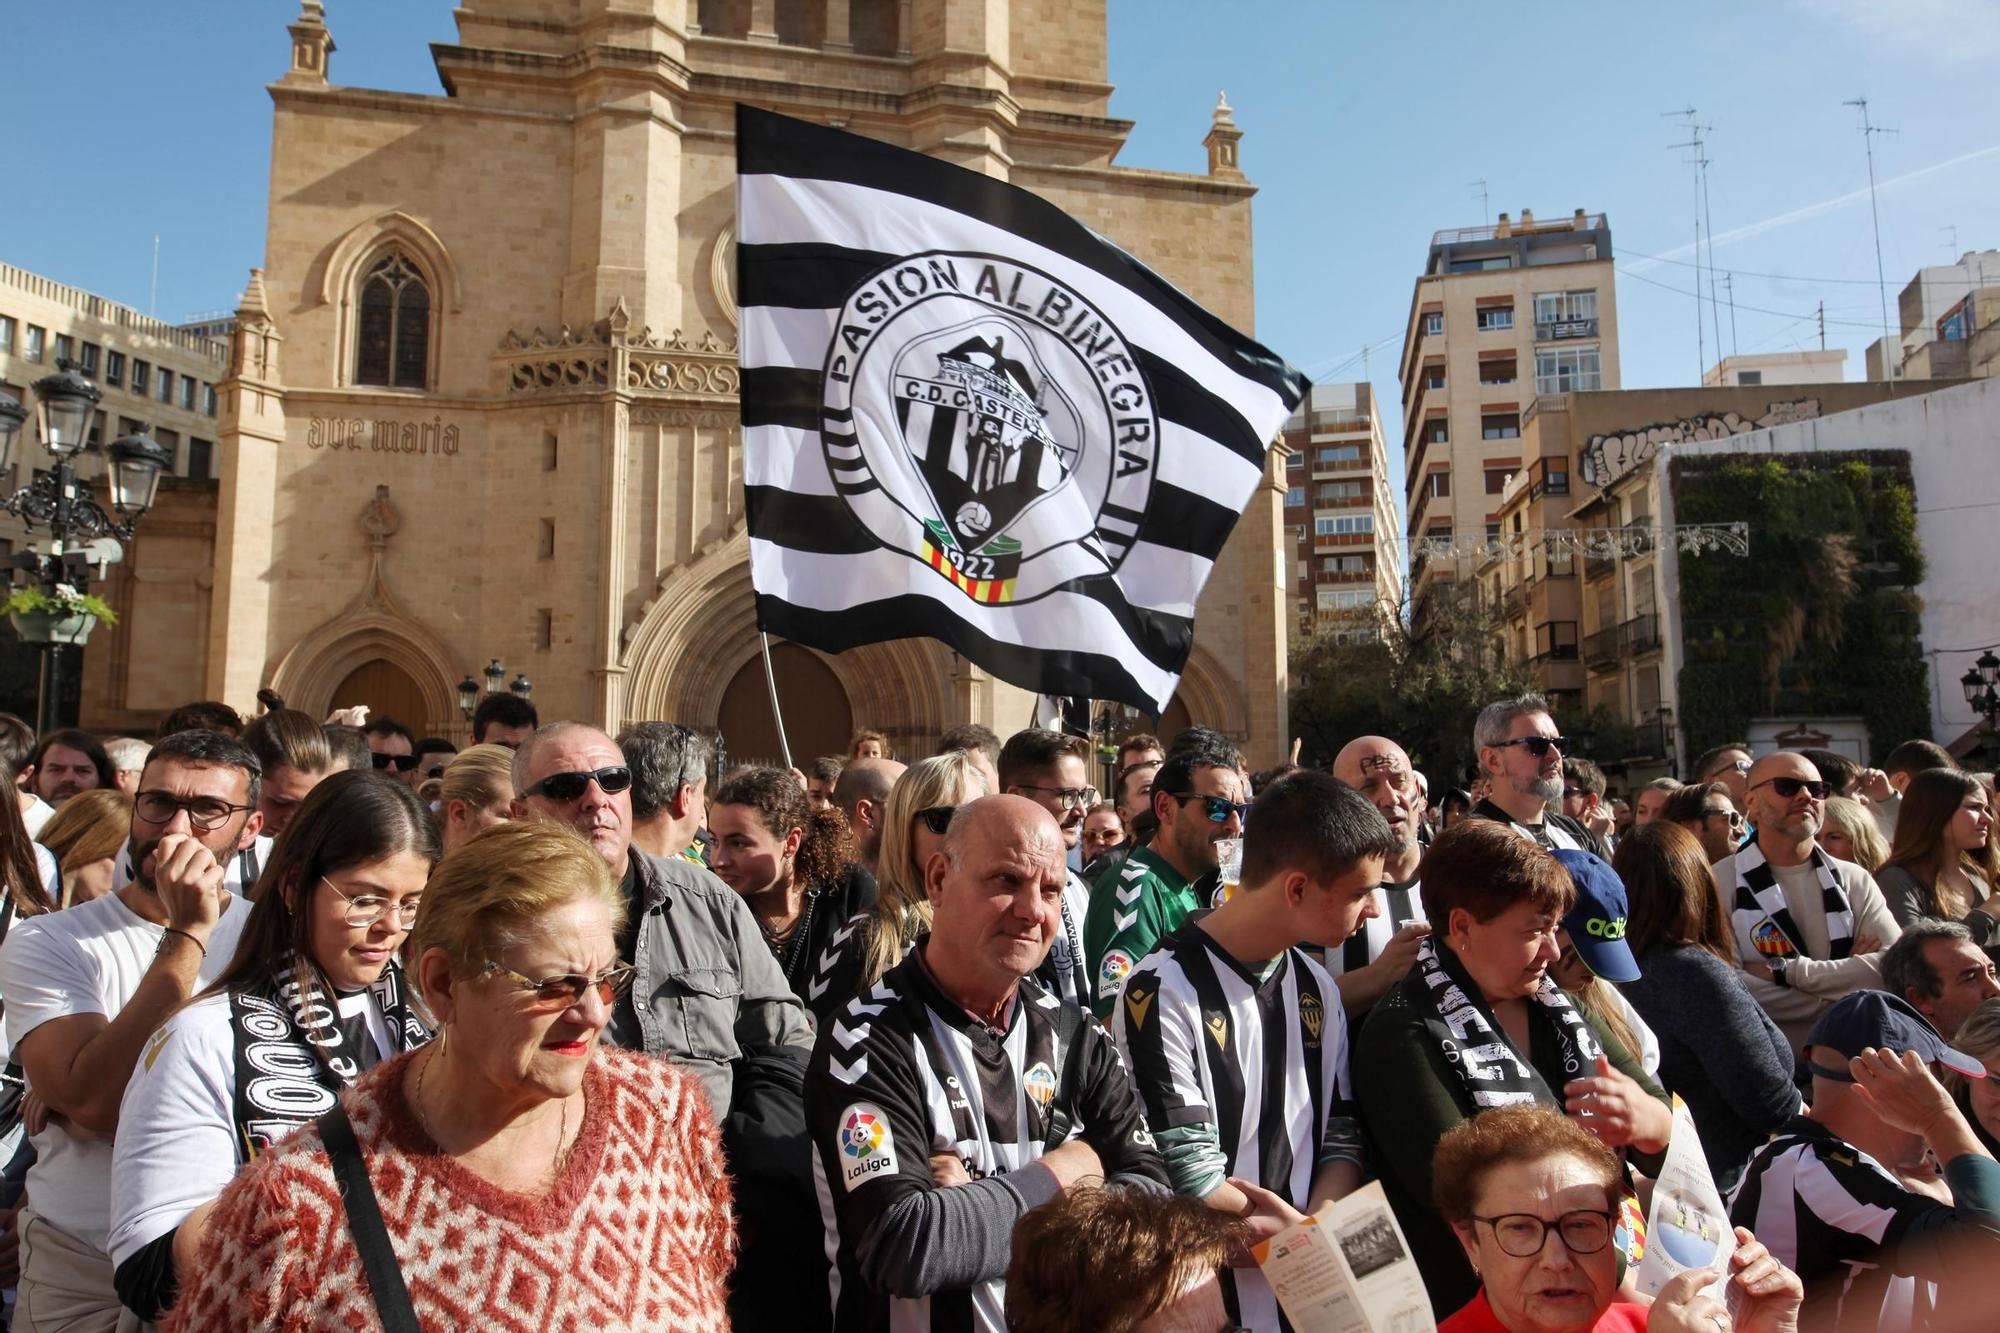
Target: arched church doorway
(818, 718)
(388, 691)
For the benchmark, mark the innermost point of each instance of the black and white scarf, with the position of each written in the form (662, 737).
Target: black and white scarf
(1493, 1071)
(1765, 928)
(294, 1057)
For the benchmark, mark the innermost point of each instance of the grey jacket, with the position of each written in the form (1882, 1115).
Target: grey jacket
(707, 986)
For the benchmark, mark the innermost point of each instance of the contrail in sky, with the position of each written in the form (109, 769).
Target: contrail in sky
(1815, 210)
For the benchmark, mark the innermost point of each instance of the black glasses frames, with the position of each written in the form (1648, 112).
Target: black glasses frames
(1218, 808)
(1791, 787)
(937, 818)
(403, 762)
(1538, 746)
(566, 787)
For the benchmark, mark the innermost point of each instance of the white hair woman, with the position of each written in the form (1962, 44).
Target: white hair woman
(513, 1133)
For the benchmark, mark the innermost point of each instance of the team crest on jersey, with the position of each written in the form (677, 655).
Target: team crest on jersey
(866, 1145)
(986, 419)
(1040, 1085)
(1770, 941)
(1314, 1017)
(1117, 965)
(1218, 1028)
(1139, 1001)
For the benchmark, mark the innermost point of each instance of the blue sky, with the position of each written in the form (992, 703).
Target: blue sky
(1366, 124)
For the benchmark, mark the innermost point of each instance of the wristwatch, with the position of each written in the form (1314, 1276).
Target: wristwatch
(1778, 972)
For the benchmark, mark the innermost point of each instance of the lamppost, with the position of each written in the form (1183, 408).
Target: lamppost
(64, 404)
(469, 692)
(1981, 683)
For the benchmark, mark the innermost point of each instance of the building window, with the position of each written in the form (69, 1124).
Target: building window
(1345, 599)
(393, 347)
(1295, 495)
(208, 400)
(6, 333)
(1347, 526)
(1496, 317)
(91, 352)
(166, 385)
(545, 540)
(1566, 370)
(65, 347)
(142, 376)
(1434, 377)
(1332, 491)
(549, 451)
(33, 343)
(1749, 377)
(1566, 314)
(1497, 372)
(1496, 480)
(1434, 323)
(129, 426)
(1492, 532)
(1337, 453)
(1439, 485)
(1500, 426)
(187, 392)
(114, 369)
(201, 459)
(95, 440)
(545, 628)
(170, 440)
(1293, 462)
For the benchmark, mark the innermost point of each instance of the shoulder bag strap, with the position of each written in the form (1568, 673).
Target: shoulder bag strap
(364, 1219)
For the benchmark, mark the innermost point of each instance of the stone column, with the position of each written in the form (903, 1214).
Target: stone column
(1266, 665)
(607, 671)
(250, 409)
(625, 213)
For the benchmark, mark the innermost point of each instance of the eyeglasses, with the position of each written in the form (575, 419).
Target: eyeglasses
(403, 762)
(1523, 1235)
(436, 772)
(1735, 818)
(566, 787)
(1740, 766)
(566, 990)
(937, 818)
(369, 908)
(1069, 796)
(205, 813)
(1790, 787)
(1219, 808)
(1538, 746)
(1575, 791)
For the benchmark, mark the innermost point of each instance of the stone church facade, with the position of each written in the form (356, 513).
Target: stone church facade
(482, 395)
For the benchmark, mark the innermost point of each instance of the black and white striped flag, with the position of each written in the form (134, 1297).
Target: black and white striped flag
(967, 416)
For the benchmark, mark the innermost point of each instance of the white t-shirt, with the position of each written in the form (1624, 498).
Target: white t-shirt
(233, 867)
(87, 959)
(36, 813)
(177, 1138)
(1649, 1044)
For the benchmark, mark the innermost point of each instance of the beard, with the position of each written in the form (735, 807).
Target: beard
(141, 852)
(1549, 788)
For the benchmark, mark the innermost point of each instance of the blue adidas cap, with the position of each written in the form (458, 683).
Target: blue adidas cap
(1596, 925)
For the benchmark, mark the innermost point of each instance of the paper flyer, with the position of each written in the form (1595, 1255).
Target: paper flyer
(1347, 1269)
(1689, 1224)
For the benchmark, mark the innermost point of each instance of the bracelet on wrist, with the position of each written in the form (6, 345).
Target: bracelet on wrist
(189, 937)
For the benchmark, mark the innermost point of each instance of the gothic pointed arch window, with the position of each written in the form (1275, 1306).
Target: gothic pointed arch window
(393, 335)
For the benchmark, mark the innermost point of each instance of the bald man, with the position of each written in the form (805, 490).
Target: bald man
(921, 1191)
(1381, 950)
(683, 923)
(862, 793)
(1809, 928)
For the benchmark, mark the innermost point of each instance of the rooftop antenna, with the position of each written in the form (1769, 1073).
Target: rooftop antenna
(1485, 206)
(1729, 290)
(153, 291)
(1700, 337)
(1869, 129)
(1951, 245)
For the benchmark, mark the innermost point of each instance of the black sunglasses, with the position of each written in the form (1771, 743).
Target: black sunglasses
(937, 818)
(1790, 787)
(403, 762)
(567, 787)
(1538, 746)
(1219, 808)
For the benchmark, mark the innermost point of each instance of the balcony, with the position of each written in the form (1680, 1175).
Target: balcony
(1514, 601)
(1601, 651)
(1548, 476)
(1642, 635)
(1555, 330)
(1597, 567)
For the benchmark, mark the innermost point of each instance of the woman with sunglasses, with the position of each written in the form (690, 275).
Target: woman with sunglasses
(515, 1133)
(914, 821)
(312, 999)
(1942, 863)
(793, 865)
(1533, 1197)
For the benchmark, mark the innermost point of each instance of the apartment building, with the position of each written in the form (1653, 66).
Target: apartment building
(1949, 321)
(1501, 314)
(1340, 514)
(156, 377)
(1827, 365)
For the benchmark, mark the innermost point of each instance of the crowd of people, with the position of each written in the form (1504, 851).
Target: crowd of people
(312, 1025)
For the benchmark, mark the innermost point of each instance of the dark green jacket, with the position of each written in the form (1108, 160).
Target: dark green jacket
(1410, 1096)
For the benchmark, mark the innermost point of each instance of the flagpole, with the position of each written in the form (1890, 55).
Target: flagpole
(784, 746)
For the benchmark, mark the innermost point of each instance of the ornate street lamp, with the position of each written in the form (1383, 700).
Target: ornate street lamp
(65, 404)
(496, 675)
(521, 687)
(1981, 683)
(468, 697)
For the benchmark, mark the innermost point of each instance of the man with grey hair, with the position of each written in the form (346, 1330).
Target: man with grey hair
(862, 793)
(128, 760)
(1521, 756)
(1940, 971)
(669, 766)
(707, 989)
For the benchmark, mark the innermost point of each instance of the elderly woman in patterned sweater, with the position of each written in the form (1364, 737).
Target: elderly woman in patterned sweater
(513, 1133)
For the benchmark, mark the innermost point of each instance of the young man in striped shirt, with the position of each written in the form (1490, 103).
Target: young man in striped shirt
(1237, 1039)
(1881, 1197)
(957, 1094)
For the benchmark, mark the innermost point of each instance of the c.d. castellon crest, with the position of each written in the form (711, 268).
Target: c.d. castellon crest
(986, 419)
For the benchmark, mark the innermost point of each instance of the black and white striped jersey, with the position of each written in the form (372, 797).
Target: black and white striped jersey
(1843, 1223)
(1242, 1073)
(901, 1074)
(1396, 906)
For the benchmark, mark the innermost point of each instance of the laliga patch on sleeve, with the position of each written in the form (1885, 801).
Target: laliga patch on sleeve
(1116, 966)
(867, 1148)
